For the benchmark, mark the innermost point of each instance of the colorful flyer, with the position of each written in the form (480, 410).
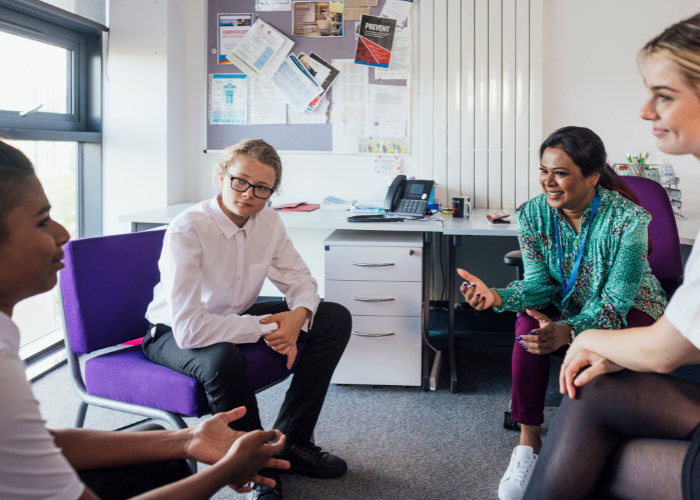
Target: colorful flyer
(387, 165)
(232, 27)
(375, 41)
(228, 99)
(317, 19)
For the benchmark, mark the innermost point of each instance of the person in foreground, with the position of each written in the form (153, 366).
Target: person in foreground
(67, 464)
(588, 216)
(216, 256)
(634, 433)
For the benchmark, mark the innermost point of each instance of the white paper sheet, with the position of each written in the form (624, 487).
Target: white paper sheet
(232, 28)
(397, 9)
(350, 96)
(273, 5)
(228, 99)
(388, 110)
(387, 165)
(317, 116)
(267, 106)
(254, 52)
(295, 84)
(277, 60)
(400, 65)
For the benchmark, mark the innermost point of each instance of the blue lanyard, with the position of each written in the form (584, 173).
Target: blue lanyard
(566, 290)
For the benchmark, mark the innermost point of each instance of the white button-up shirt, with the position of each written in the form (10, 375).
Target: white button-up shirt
(683, 310)
(31, 466)
(211, 271)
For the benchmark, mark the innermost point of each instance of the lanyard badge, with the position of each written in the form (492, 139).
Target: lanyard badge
(568, 288)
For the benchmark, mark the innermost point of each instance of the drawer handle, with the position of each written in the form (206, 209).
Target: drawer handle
(371, 300)
(385, 264)
(373, 334)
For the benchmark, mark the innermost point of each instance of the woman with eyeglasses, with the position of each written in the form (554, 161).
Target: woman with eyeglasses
(216, 256)
(627, 429)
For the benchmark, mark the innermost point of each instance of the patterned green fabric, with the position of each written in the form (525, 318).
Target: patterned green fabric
(614, 275)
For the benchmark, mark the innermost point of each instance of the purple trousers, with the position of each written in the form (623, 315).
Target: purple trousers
(531, 371)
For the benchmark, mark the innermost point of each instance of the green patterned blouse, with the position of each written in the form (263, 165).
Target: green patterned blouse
(614, 275)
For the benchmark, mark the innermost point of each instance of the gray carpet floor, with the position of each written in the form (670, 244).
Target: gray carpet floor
(400, 443)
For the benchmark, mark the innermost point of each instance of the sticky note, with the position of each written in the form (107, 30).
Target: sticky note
(337, 116)
(335, 7)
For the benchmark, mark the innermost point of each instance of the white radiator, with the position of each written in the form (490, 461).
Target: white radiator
(480, 95)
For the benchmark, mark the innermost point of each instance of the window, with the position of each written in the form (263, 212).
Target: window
(51, 109)
(43, 75)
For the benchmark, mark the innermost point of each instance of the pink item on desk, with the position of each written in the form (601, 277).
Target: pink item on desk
(297, 207)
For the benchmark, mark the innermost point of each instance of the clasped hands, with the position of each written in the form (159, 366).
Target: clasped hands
(284, 339)
(242, 453)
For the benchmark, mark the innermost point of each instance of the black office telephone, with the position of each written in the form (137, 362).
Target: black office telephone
(403, 199)
(408, 198)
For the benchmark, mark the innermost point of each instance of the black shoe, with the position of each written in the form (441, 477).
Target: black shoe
(266, 493)
(308, 460)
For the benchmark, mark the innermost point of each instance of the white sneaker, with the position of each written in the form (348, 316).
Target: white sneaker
(518, 474)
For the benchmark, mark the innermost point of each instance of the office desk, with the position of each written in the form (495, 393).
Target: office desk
(321, 219)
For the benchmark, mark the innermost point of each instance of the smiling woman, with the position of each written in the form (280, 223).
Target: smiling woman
(584, 242)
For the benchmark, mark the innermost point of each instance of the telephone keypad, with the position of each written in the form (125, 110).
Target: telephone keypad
(412, 206)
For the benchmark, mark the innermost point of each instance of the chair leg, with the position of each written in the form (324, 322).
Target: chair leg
(80, 417)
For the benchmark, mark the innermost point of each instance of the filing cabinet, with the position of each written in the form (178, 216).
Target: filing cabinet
(377, 275)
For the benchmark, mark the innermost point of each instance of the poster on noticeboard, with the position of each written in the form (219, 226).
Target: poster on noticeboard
(232, 28)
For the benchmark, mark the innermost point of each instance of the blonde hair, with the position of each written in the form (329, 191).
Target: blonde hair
(256, 149)
(679, 44)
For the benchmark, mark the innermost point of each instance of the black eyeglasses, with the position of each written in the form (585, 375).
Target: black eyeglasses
(242, 185)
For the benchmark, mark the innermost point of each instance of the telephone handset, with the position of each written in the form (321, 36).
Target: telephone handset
(403, 199)
(408, 198)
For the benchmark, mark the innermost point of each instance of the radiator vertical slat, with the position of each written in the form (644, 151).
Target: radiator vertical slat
(467, 99)
(440, 102)
(508, 104)
(481, 142)
(427, 122)
(454, 101)
(523, 170)
(495, 89)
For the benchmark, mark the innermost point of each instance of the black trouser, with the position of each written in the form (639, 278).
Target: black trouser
(223, 370)
(120, 483)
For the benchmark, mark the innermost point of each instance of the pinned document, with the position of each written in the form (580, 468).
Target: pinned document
(296, 84)
(318, 19)
(267, 106)
(257, 48)
(349, 97)
(397, 9)
(273, 5)
(228, 99)
(388, 111)
(375, 41)
(232, 28)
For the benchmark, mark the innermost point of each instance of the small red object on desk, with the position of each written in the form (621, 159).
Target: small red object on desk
(297, 207)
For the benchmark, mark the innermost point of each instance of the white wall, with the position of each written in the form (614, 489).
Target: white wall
(591, 77)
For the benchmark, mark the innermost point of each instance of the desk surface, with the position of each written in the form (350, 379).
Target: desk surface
(318, 219)
(475, 225)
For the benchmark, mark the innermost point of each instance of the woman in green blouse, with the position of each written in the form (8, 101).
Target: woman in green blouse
(588, 220)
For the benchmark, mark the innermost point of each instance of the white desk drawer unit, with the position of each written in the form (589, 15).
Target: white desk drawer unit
(377, 275)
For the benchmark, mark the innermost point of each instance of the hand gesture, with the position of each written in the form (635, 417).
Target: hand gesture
(577, 360)
(476, 293)
(547, 338)
(289, 325)
(209, 441)
(250, 453)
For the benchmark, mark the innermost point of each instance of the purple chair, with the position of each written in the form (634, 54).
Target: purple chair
(665, 260)
(105, 289)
